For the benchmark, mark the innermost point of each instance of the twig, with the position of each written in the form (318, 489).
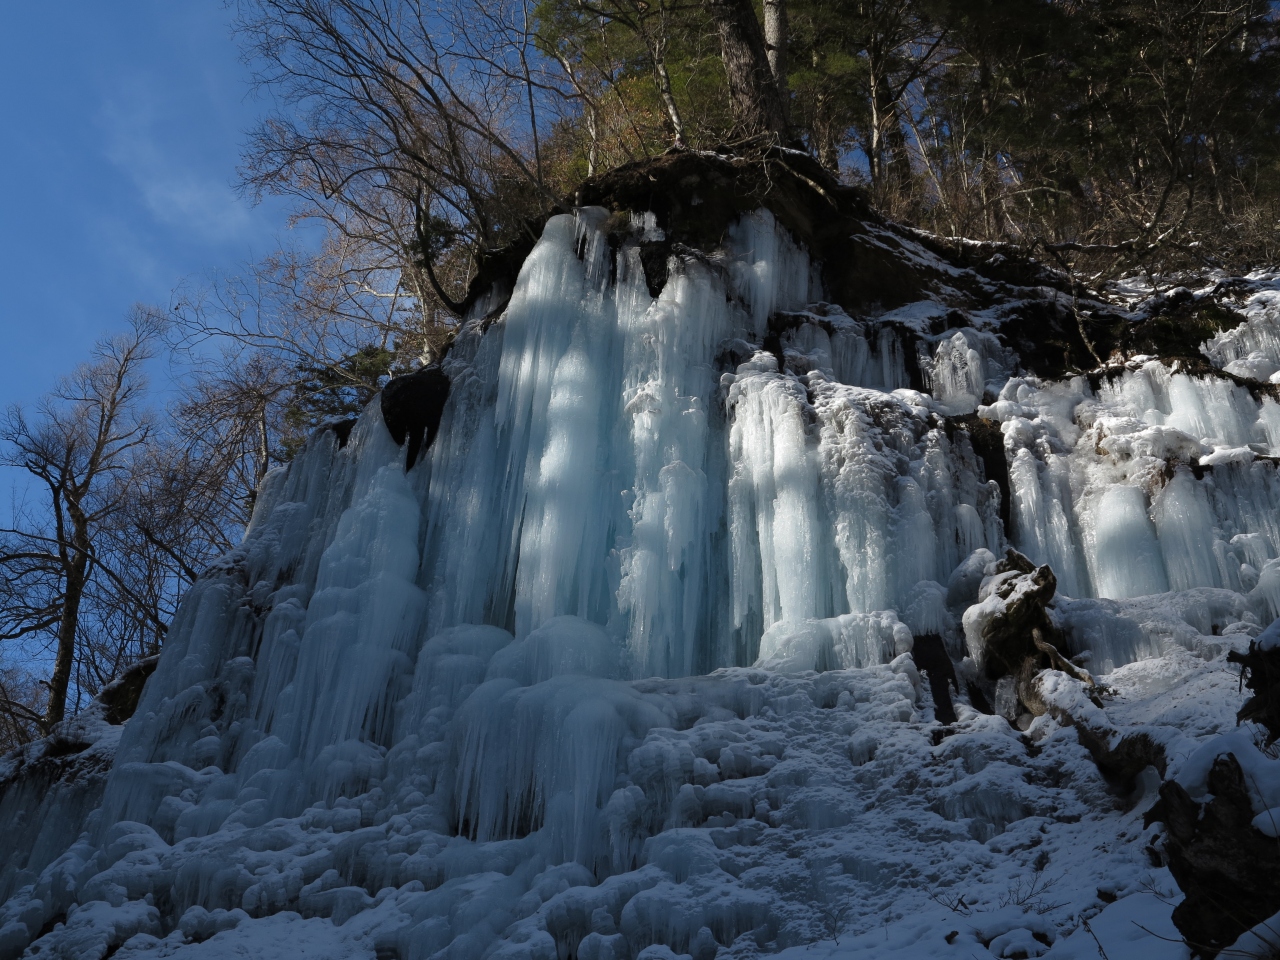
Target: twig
(955, 905)
(1095, 939)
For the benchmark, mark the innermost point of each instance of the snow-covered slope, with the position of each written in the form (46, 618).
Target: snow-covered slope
(551, 692)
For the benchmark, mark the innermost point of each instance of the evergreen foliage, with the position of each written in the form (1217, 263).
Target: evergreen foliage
(336, 391)
(1146, 132)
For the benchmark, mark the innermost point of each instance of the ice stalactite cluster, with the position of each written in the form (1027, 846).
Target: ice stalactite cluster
(1152, 478)
(1252, 348)
(959, 369)
(646, 465)
(623, 486)
(1155, 481)
(550, 692)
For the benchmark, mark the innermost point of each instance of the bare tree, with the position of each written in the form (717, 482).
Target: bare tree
(78, 446)
(123, 510)
(404, 114)
(21, 707)
(293, 341)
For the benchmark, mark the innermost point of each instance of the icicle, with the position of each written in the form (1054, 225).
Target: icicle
(362, 623)
(958, 375)
(1185, 528)
(773, 499)
(665, 589)
(769, 269)
(850, 640)
(1126, 559)
(538, 743)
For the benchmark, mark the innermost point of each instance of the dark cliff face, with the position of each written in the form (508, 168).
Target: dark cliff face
(696, 197)
(871, 265)
(412, 406)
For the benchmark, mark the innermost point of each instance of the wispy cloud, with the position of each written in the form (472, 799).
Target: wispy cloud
(179, 186)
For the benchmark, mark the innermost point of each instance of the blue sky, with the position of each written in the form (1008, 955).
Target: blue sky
(121, 125)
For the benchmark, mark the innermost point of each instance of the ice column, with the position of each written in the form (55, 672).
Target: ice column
(773, 500)
(1126, 559)
(1184, 524)
(560, 405)
(1042, 512)
(666, 588)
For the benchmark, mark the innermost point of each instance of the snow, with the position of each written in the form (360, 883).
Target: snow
(622, 668)
(750, 823)
(1260, 940)
(1269, 638)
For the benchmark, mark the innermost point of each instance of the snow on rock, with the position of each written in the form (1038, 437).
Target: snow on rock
(1219, 838)
(49, 786)
(1251, 349)
(621, 666)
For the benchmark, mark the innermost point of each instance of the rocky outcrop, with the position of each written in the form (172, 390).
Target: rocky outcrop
(1260, 672)
(120, 698)
(412, 406)
(1225, 866)
(1221, 859)
(1013, 639)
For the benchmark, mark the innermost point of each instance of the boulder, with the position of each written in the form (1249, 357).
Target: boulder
(412, 406)
(1225, 866)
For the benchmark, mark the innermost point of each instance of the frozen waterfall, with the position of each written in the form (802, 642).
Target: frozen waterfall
(645, 465)
(527, 665)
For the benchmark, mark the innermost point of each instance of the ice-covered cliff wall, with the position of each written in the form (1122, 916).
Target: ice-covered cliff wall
(625, 485)
(644, 464)
(431, 682)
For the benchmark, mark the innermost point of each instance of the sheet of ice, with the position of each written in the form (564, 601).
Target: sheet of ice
(1127, 561)
(858, 352)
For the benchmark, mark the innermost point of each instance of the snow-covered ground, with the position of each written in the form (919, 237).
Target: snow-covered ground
(811, 814)
(553, 692)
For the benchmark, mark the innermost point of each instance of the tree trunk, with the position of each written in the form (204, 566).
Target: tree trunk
(875, 146)
(755, 96)
(60, 681)
(775, 40)
(824, 135)
(890, 164)
(669, 99)
(895, 142)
